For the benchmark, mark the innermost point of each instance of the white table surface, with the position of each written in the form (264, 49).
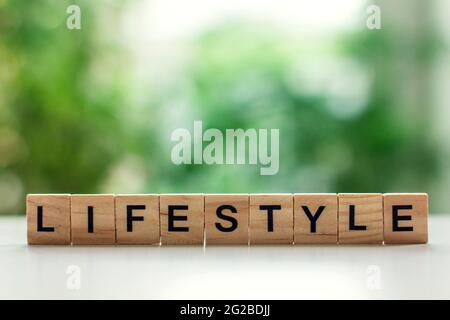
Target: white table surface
(264, 272)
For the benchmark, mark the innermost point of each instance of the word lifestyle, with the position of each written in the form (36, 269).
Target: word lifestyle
(391, 218)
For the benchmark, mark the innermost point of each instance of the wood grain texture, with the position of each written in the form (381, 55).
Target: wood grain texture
(368, 214)
(283, 219)
(55, 224)
(320, 206)
(236, 233)
(143, 225)
(189, 207)
(405, 218)
(104, 229)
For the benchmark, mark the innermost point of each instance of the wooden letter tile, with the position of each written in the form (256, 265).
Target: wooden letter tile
(271, 219)
(226, 218)
(182, 219)
(360, 218)
(93, 220)
(48, 218)
(315, 218)
(137, 219)
(405, 218)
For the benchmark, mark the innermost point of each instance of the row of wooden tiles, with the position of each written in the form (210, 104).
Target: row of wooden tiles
(167, 219)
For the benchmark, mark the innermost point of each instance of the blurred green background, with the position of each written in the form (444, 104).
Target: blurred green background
(92, 110)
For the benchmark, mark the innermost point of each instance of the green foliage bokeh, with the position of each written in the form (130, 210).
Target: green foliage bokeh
(65, 109)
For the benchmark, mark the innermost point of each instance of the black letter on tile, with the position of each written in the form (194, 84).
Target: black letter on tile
(40, 222)
(352, 220)
(270, 209)
(131, 218)
(90, 219)
(234, 222)
(313, 218)
(172, 218)
(396, 218)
